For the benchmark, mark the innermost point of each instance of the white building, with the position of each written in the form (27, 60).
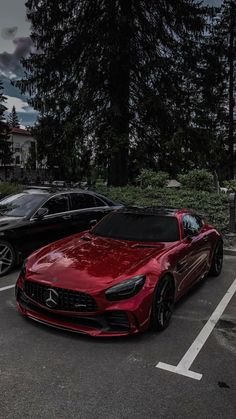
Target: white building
(22, 144)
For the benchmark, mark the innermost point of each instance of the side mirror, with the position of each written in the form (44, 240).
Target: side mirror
(40, 214)
(189, 234)
(92, 223)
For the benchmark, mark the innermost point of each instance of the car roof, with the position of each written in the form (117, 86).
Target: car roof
(51, 191)
(54, 190)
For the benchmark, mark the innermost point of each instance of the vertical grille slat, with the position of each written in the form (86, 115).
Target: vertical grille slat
(68, 300)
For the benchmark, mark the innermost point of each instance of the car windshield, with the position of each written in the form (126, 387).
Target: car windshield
(20, 205)
(139, 227)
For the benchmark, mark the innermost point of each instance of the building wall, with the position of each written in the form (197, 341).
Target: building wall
(21, 145)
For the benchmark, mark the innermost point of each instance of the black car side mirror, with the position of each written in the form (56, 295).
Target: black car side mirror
(40, 214)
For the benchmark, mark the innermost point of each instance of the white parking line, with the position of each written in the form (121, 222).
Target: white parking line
(7, 288)
(183, 366)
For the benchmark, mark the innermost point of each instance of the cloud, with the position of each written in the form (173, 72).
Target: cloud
(10, 65)
(27, 115)
(20, 105)
(9, 33)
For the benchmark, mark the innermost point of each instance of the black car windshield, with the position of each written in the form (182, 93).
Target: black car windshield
(139, 227)
(20, 205)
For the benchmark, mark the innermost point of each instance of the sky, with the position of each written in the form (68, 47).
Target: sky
(15, 42)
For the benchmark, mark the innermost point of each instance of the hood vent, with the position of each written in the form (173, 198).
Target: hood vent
(140, 246)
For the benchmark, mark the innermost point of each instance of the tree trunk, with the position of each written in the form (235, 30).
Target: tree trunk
(120, 94)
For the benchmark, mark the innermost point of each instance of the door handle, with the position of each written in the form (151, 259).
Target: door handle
(66, 217)
(180, 267)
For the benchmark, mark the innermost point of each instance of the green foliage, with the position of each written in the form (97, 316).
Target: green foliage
(32, 157)
(213, 207)
(199, 180)
(231, 185)
(9, 188)
(5, 146)
(13, 120)
(115, 72)
(149, 178)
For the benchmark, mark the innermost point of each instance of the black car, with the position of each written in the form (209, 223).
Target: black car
(36, 217)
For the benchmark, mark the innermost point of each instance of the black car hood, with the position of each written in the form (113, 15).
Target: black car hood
(6, 221)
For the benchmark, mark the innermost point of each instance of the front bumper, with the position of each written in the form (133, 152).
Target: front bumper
(109, 322)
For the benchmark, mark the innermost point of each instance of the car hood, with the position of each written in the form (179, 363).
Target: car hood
(6, 221)
(84, 261)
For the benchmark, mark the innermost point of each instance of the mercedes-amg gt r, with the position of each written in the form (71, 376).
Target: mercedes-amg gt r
(122, 276)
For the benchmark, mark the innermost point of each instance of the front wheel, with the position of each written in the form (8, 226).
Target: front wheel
(163, 304)
(217, 260)
(7, 258)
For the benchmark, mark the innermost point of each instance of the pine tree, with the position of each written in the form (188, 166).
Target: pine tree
(5, 146)
(223, 68)
(106, 68)
(199, 140)
(13, 120)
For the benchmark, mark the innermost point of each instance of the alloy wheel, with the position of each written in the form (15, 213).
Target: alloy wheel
(165, 303)
(218, 257)
(6, 258)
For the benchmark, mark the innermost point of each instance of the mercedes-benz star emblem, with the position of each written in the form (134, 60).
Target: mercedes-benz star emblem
(51, 298)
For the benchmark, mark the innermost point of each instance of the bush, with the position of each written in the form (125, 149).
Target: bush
(9, 188)
(149, 178)
(230, 185)
(199, 180)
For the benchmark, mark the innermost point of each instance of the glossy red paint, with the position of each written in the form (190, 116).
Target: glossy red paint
(90, 264)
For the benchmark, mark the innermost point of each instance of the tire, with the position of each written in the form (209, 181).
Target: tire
(163, 304)
(217, 260)
(7, 258)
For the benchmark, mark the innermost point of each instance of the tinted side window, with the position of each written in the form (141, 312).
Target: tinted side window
(57, 204)
(80, 201)
(99, 203)
(191, 223)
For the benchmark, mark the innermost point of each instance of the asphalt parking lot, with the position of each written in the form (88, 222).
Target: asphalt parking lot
(47, 373)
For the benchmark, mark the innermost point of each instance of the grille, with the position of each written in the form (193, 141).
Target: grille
(110, 322)
(118, 320)
(68, 300)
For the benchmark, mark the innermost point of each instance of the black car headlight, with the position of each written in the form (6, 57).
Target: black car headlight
(126, 289)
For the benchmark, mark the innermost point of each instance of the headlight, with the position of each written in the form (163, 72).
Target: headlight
(23, 269)
(126, 289)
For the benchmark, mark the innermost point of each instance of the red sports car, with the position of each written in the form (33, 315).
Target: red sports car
(122, 276)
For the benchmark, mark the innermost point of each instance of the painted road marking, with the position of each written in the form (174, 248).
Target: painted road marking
(183, 366)
(7, 288)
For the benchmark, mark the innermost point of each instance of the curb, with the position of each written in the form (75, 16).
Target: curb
(230, 252)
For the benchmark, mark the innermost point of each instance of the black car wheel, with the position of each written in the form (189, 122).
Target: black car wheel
(7, 258)
(217, 260)
(163, 304)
